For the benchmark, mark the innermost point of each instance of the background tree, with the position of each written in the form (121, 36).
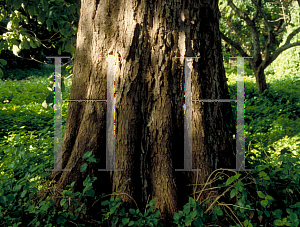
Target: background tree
(256, 28)
(149, 80)
(38, 28)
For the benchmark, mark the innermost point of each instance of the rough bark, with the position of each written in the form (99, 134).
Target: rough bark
(261, 80)
(149, 84)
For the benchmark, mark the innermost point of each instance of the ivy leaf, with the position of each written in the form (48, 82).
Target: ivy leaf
(31, 11)
(132, 211)
(14, 42)
(125, 220)
(25, 44)
(87, 154)
(260, 194)
(233, 193)
(131, 223)
(41, 18)
(83, 167)
(192, 202)
(152, 202)
(264, 203)
(32, 44)
(49, 23)
(17, 3)
(3, 62)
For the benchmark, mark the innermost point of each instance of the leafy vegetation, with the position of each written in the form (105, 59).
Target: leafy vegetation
(268, 196)
(256, 29)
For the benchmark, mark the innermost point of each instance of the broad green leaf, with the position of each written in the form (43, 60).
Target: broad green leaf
(83, 167)
(74, 202)
(32, 44)
(132, 211)
(269, 197)
(14, 41)
(131, 223)
(23, 193)
(187, 208)
(233, 193)
(176, 216)
(193, 214)
(31, 11)
(278, 222)
(188, 220)
(114, 220)
(264, 203)
(17, 3)
(63, 201)
(91, 193)
(61, 220)
(49, 23)
(267, 213)
(3, 62)
(87, 154)
(125, 220)
(152, 202)
(230, 180)
(25, 44)
(192, 202)
(41, 18)
(260, 194)
(44, 207)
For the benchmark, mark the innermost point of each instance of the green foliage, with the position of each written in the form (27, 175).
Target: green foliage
(32, 22)
(268, 196)
(235, 28)
(22, 103)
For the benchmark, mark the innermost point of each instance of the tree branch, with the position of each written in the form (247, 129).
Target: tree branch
(295, 32)
(270, 34)
(236, 33)
(256, 12)
(234, 44)
(276, 53)
(282, 29)
(250, 23)
(262, 13)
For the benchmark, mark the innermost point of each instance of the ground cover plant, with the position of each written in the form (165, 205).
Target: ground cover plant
(268, 196)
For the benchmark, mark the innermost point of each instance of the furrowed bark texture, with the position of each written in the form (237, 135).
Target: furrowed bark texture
(149, 84)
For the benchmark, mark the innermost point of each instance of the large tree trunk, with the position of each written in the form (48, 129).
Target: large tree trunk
(149, 83)
(260, 79)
